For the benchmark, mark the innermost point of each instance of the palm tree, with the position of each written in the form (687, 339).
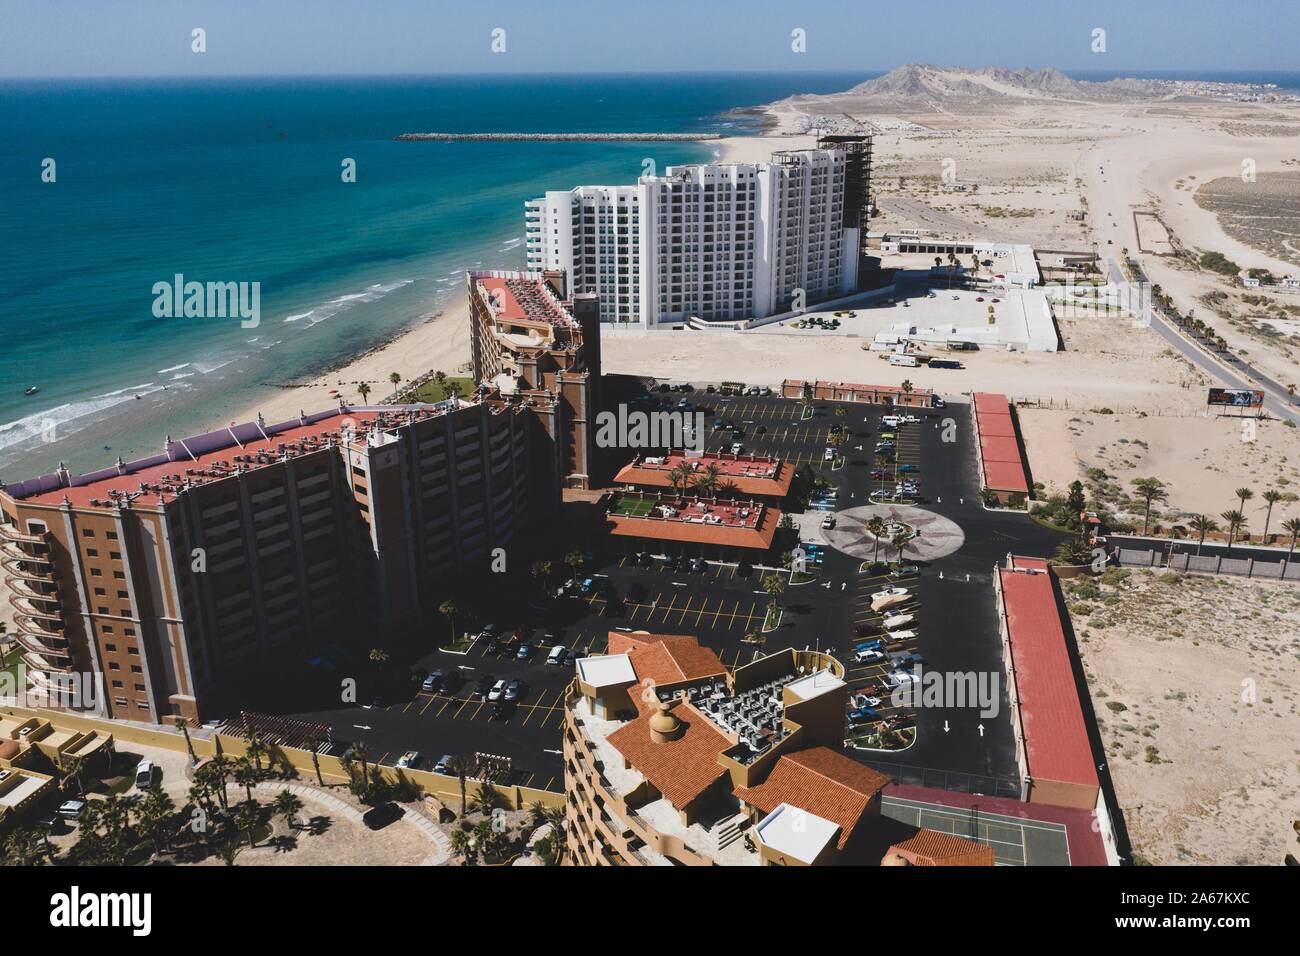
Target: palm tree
(460, 766)
(899, 541)
(247, 817)
(1292, 527)
(155, 809)
(680, 474)
(362, 753)
(1236, 522)
(1149, 490)
(449, 610)
(707, 481)
(1202, 525)
(1272, 496)
(877, 526)
(541, 571)
(314, 745)
(379, 657)
(574, 560)
(460, 844)
(1244, 495)
(363, 390)
(773, 584)
(453, 390)
(183, 725)
(394, 378)
(287, 805)
(256, 748)
(349, 766)
(74, 772)
(245, 775)
(486, 800)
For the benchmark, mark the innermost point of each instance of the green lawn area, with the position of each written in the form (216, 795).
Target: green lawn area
(9, 664)
(637, 507)
(431, 391)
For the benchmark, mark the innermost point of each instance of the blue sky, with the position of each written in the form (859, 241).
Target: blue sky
(152, 37)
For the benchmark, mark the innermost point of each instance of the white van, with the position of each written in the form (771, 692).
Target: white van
(907, 360)
(557, 655)
(144, 774)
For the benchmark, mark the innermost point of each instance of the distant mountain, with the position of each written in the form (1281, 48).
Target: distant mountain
(922, 80)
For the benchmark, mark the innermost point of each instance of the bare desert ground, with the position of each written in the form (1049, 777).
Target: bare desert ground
(1193, 681)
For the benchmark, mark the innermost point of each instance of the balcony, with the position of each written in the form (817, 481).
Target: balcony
(33, 625)
(34, 604)
(37, 663)
(10, 532)
(35, 645)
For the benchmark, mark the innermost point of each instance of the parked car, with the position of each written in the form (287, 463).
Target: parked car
(907, 469)
(482, 687)
(409, 760)
(557, 655)
(902, 677)
(872, 645)
(828, 522)
(862, 714)
(587, 584)
(904, 571)
(864, 700)
(497, 690)
(864, 656)
(697, 565)
(71, 809)
(514, 690)
(433, 683)
(828, 454)
(381, 816)
(444, 764)
(144, 774)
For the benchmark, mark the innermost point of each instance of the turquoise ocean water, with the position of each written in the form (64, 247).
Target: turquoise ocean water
(238, 180)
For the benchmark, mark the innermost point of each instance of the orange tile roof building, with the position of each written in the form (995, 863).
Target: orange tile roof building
(931, 848)
(1053, 748)
(527, 338)
(756, 477)
(705, 527)
(1002, 465)
(170, 575)
(850, 392)
(670, 759)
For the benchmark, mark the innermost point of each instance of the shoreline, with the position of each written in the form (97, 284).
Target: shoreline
(439, 340)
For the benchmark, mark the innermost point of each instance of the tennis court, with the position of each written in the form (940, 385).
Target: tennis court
(1015, 840)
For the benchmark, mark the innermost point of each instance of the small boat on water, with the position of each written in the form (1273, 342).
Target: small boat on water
(32, 390)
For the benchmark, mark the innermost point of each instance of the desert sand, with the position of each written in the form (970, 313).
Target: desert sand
(1193, 682)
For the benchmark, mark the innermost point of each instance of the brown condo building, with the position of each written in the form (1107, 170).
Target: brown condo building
(168, 576)
(672, 760)
(530, 341)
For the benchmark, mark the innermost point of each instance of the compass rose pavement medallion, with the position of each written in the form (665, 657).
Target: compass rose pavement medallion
(935, 535)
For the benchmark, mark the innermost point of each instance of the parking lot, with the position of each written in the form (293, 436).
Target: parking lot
(954, 625)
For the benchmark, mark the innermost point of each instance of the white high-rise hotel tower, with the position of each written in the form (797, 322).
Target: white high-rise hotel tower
(717, 242)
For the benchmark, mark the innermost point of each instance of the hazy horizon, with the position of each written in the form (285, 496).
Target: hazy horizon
(153, 38)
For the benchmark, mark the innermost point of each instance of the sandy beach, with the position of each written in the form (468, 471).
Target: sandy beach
(439, 342)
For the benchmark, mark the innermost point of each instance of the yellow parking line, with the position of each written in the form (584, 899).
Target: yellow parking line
(427, 704)
(689, 601)
(534, 708)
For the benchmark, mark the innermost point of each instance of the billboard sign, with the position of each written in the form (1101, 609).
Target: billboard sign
(1236, 397)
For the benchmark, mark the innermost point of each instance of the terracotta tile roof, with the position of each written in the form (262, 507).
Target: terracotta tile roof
(748, 473)
(665, 658)
(759, 537)
(931, 848)
(820, 781)
(1056, 735)
(680, 769)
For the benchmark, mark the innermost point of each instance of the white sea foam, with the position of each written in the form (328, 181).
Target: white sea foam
(70, 417)
(338, 304)
(173, 368)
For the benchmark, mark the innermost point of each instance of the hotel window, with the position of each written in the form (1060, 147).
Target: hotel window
(112, 536)
(87, 532)
(92, 553)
